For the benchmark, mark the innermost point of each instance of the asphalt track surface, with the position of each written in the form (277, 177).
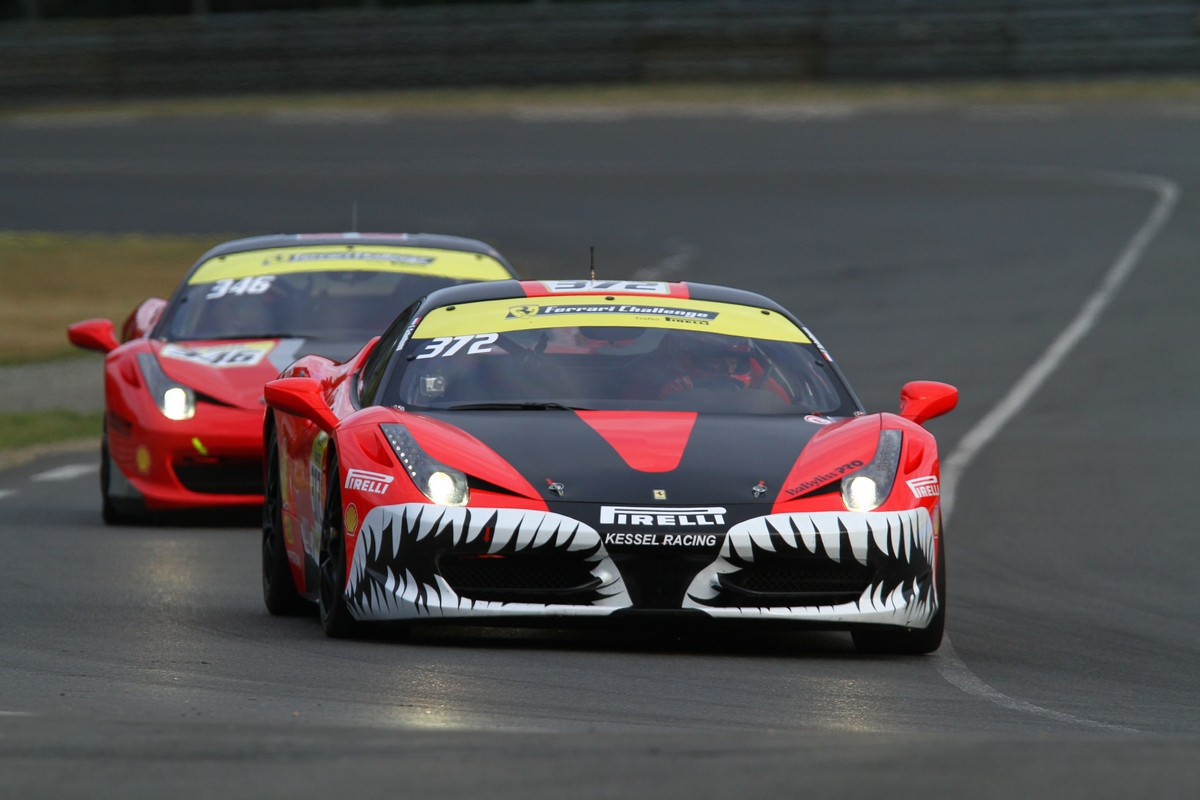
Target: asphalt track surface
(947, 244)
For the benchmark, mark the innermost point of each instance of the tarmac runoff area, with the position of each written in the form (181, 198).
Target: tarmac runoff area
(1045, 264)
(72, 383)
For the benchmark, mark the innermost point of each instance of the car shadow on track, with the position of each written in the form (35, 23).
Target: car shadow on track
(695, 639)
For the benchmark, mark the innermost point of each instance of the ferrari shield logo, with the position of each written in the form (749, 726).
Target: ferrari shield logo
(517, 312)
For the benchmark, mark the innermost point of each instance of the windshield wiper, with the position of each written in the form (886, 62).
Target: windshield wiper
(531, 406)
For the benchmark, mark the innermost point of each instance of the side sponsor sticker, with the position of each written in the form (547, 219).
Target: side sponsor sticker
(662, 516)
(925, 487)
(364, 481)
(815, 481)
(243, 354)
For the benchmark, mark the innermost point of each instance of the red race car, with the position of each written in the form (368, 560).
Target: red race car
(582, 450)
(184, 386)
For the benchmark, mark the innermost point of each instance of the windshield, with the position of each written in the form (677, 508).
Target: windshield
(327, 293)
(341, 306)
(534, 358)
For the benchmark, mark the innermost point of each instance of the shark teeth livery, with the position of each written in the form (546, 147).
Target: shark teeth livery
(896, 549)
(393, 574)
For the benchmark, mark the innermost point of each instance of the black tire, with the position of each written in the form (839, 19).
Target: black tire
(279, 590)
(910, 641)
(108, 511)
(331, 566)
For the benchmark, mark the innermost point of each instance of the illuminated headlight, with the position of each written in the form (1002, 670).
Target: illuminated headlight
(173, 399)
(443, 485)
(869, 487)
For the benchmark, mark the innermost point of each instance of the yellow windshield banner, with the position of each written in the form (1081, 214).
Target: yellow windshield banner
(453, 264)
(503, 316)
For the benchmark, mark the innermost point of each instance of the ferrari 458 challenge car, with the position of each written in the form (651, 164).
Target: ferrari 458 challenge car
(577, 450)
(184, 386)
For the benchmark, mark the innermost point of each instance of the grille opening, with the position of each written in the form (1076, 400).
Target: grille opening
(527, 575)
(800, 581)
(215, 475)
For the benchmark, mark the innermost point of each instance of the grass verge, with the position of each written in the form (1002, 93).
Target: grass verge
(639, 96)
(25, 428)
(49, 280)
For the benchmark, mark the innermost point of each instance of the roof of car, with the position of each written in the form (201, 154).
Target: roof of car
(434, 241)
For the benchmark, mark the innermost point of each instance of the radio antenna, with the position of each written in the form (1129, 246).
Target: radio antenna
(593, 249)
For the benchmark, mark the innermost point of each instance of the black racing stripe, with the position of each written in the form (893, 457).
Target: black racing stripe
(726, 456)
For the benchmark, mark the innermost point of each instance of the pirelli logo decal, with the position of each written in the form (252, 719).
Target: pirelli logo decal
(364, 481)
(925, 487)
(662, 516)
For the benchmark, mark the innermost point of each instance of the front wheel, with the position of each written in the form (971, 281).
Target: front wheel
(279, 589)
(909, 642)
(108, 509)
(335, 616)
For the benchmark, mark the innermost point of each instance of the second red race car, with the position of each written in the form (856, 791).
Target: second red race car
(184, 385)
(571, 451)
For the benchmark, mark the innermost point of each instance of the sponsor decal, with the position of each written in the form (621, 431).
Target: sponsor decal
(408, 332)
(359, 255)
(662, 539)
(371, 482)
(445, 346)
(574, 287)
(817, 480)
(818, 420)
(288, 534)
(142, 456)
(662, 516)
(350, 516)
(670, 314)
(660, 494)
(199, 445)
(316, 482)
(925, 487)
(244, 354)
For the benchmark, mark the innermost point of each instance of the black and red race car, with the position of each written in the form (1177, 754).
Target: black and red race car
(183, 387)
(573, 450)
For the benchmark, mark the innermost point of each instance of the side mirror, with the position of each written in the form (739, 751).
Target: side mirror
(143, 319)
(93, 334)
(924, 400)
(303, 398)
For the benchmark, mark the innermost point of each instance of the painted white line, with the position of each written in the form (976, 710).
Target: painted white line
(951, 667)
(17, 714)
(66, 473)
(947, 662)
(1023, 390)
(7, 493)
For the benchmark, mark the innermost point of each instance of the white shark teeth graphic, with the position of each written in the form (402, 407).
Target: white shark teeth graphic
(383, 590)
(903, 538)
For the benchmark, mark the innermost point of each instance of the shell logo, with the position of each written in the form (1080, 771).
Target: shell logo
(351, 519)
(143, 458)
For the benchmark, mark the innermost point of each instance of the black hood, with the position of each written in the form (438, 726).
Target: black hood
(725, 457)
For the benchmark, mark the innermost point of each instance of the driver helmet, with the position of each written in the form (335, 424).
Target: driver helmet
(716, 356)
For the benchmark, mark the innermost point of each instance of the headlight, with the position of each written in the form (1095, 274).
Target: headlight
(869, 487)
(173, 399)
(443, 485)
